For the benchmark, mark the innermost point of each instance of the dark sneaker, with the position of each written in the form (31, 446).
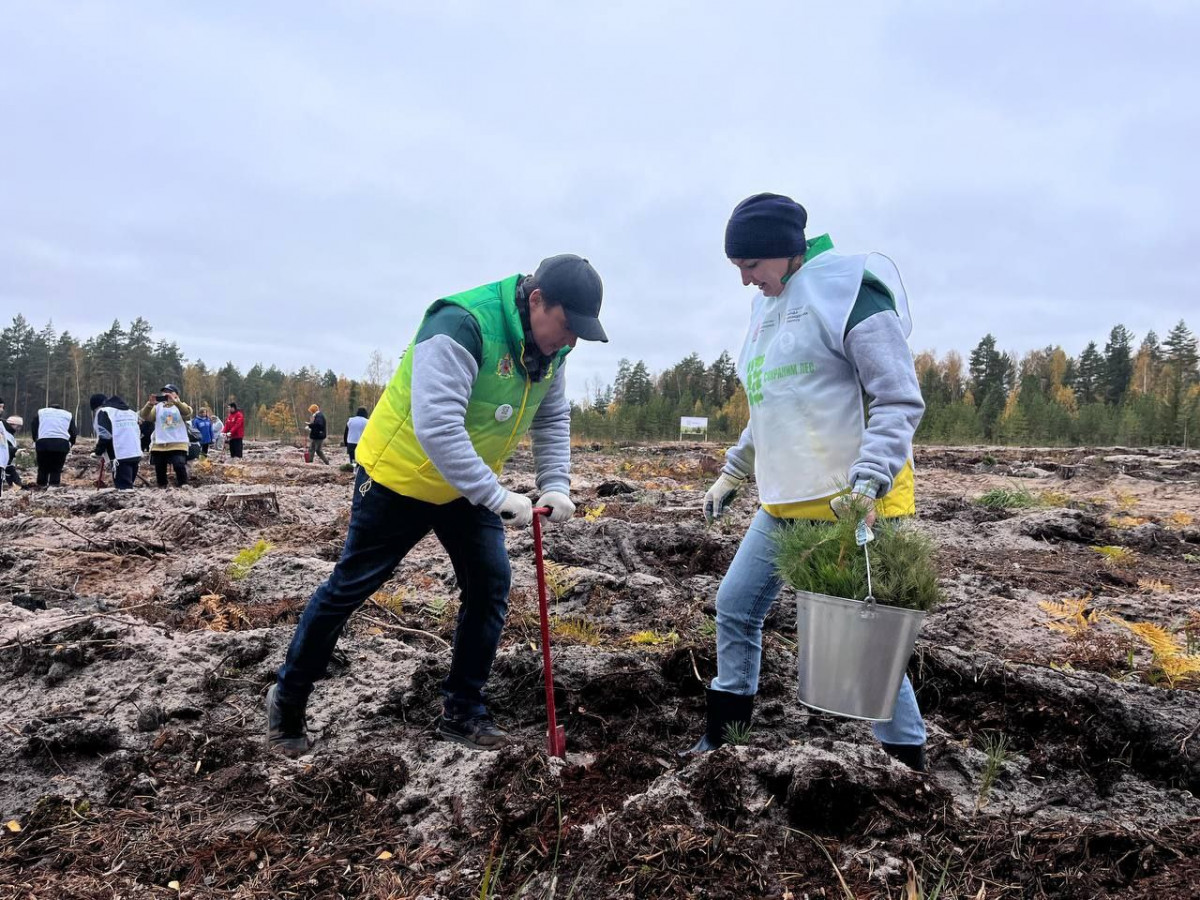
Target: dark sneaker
(287, 730)
(478, 732)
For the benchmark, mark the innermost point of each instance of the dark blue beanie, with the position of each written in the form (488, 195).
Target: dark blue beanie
(766, 226)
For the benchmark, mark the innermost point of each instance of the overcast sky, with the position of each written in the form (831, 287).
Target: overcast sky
(293, 183)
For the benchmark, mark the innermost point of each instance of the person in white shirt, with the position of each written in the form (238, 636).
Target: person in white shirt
(54, 434)
(355, 426)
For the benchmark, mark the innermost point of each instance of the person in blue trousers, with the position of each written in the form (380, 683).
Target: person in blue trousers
(825, 330)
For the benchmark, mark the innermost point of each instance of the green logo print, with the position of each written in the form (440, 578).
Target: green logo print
(754, 381)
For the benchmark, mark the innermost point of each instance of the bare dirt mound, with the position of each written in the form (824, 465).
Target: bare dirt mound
(134, 655)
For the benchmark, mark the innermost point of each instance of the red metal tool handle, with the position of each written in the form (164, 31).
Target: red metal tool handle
(556, 738)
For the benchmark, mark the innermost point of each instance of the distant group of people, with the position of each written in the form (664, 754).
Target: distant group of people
(164, 427)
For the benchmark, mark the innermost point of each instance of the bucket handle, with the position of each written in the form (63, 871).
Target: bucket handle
(863, 536)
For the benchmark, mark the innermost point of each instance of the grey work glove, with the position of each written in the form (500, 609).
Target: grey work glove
(858, 502)
(720, 495)
(561, 507)
(516, 509)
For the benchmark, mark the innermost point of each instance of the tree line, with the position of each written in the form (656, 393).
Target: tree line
(1114, 395)
(40, 367)
(1117, 395)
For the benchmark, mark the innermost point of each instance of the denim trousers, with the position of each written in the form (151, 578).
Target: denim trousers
(747, 591)
(384, 527)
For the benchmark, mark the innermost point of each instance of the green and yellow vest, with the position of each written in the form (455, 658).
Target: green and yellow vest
(500, 409)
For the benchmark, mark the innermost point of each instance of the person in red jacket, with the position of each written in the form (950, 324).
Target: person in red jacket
(235, 427)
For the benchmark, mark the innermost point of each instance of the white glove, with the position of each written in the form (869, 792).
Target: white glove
(858, 502)
(720, 495)
(561, 507)
(515, 510)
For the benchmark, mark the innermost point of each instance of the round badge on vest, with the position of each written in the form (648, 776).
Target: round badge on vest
(787, 342)
(504, 413)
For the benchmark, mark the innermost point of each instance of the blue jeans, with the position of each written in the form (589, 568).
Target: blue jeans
(747, 591)
(384, 526)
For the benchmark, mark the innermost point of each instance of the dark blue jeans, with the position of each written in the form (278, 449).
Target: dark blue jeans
(384, 526)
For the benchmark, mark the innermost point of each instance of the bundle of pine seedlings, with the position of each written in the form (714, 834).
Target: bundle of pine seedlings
(823, 558)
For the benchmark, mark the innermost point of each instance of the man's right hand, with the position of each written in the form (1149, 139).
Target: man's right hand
(719, 496)
(517, 509)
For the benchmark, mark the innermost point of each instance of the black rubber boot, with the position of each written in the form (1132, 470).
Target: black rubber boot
(912, 755)
(286, 726)
(724, 709)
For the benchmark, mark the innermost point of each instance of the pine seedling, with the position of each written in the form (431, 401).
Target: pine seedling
(245, 559)
(823, 558)
(737, 733)
(995, 746)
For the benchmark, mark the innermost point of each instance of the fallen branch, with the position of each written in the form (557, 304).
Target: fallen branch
(428, 634)
(76, 533)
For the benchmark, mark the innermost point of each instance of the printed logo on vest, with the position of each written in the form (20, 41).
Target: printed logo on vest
(754, 381)
(787, 342)
(756, 377)
(504, 368)
(504, 413)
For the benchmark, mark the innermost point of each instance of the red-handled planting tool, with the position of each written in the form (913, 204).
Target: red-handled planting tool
(556, 735)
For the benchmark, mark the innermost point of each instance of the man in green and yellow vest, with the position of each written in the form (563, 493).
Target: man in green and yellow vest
(485, 367)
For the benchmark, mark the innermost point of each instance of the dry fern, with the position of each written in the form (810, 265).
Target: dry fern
(1153, 586)
(1170, 651)
(560, 580)
(221, 615)
(1071, 616)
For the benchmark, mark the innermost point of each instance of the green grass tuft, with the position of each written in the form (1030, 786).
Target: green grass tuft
(1008, 498)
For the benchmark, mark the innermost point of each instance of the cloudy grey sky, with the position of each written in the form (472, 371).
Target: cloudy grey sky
(294, 182)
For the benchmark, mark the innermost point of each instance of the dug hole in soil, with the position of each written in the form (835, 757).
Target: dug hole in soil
(134, 665)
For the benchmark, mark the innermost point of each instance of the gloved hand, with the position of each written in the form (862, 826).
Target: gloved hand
(720, 495)
(516, 509)
(858, 502)
(561, 507)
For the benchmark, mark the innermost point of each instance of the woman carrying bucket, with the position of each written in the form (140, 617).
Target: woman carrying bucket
(824, 329)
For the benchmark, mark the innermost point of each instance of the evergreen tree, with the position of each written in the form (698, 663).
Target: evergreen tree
(1089, 375)
(722, 379)
(139, 348)
(639, 388)
(1179, 364)
(621, 385)
(989, 370)
(1118, 365)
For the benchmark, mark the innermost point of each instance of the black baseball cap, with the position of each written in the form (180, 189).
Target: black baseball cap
(170, 389)
(570, 281)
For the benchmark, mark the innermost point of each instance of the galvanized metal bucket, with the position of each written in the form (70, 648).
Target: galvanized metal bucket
(852, 654)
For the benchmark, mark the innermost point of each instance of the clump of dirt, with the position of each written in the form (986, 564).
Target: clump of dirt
(135, 664)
